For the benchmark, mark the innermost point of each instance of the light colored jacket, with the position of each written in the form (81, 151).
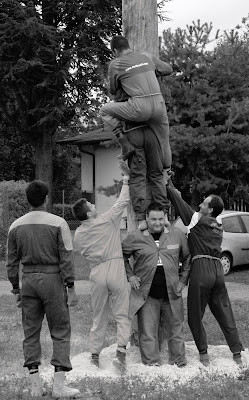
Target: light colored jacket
(98, 240)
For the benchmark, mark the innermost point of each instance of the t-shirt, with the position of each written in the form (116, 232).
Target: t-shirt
(158, 288)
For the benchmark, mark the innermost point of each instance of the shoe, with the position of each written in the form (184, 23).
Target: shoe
(120, 361)
(181, 364)
(61, 390)
(142, 225)
(36, 385)
(237, 358)
(127, 148)
(95, 360)
(157, 364)
(204, 359)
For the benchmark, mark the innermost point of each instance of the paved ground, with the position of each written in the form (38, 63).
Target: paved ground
(237, 291)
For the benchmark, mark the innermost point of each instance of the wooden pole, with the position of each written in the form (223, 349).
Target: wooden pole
(140, 25)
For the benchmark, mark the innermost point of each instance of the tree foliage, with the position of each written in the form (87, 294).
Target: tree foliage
(209, 110)
(52, 54)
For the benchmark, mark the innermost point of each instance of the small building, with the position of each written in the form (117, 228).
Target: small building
(99, 166)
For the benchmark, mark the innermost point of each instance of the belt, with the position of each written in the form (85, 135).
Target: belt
(205, 256)
(146, 95)
(41, 269)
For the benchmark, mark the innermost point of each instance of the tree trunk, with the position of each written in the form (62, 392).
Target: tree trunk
(140, 25)
(44, 160)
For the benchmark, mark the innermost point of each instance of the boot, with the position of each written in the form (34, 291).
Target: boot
(126, 147)
(36, 385)
(60, 389)
(237, 358)
(95, 359)
(120, 361)
(204, 359)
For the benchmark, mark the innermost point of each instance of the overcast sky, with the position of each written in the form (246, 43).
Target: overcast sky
(224, 14)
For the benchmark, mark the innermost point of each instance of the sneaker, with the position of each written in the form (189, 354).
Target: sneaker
(120, 361)
(237, 358)
(181, 364)
(156, 364)
(95, 360)
(204, 359)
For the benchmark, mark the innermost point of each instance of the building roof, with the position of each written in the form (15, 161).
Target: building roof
(90, 137)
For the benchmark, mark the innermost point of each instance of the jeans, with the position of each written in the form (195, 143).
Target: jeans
(149, 317)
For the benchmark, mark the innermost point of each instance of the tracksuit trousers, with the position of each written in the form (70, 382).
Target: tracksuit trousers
(207, 286)
(108, 281)
(45, 294)
(149, 109)
(146, 171)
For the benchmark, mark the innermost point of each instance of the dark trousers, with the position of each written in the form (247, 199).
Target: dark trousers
(146, 171)
(207, 286)
(45, 294)
(149, 317)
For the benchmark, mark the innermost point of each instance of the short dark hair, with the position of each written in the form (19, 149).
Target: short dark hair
(36, 193)
(119, 43)
(80, 209)
(154, 207)
(216, 204)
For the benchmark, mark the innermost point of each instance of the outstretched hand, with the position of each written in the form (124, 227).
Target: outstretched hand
(124, 167)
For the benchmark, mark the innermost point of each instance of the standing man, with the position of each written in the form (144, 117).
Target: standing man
(157, 285)
(42, 243)
(98, 240)
(206, 284)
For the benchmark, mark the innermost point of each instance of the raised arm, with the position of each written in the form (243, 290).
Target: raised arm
(115, 213)
(182, 208)
(162, 68)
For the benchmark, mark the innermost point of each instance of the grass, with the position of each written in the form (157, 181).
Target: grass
(13, 377)
(239, 274)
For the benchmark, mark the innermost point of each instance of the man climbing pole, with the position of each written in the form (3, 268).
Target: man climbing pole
(133, 78)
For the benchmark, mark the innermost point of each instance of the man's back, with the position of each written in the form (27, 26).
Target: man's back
(135, 72)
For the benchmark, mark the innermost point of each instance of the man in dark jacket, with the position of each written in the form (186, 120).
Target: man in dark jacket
(206, 283)
(157, 285)
(42, 243)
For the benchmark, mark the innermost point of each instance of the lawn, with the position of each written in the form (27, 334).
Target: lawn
(13, 377)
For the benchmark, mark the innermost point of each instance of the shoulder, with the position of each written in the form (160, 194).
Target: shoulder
(176, 231)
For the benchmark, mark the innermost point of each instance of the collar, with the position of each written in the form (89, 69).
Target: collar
(40, 208)
(127, 51)
(147, 233)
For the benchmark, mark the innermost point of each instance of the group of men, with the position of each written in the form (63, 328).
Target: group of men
(140, 275)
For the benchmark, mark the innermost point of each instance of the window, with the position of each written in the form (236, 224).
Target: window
(232, 224)
(245, 219)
